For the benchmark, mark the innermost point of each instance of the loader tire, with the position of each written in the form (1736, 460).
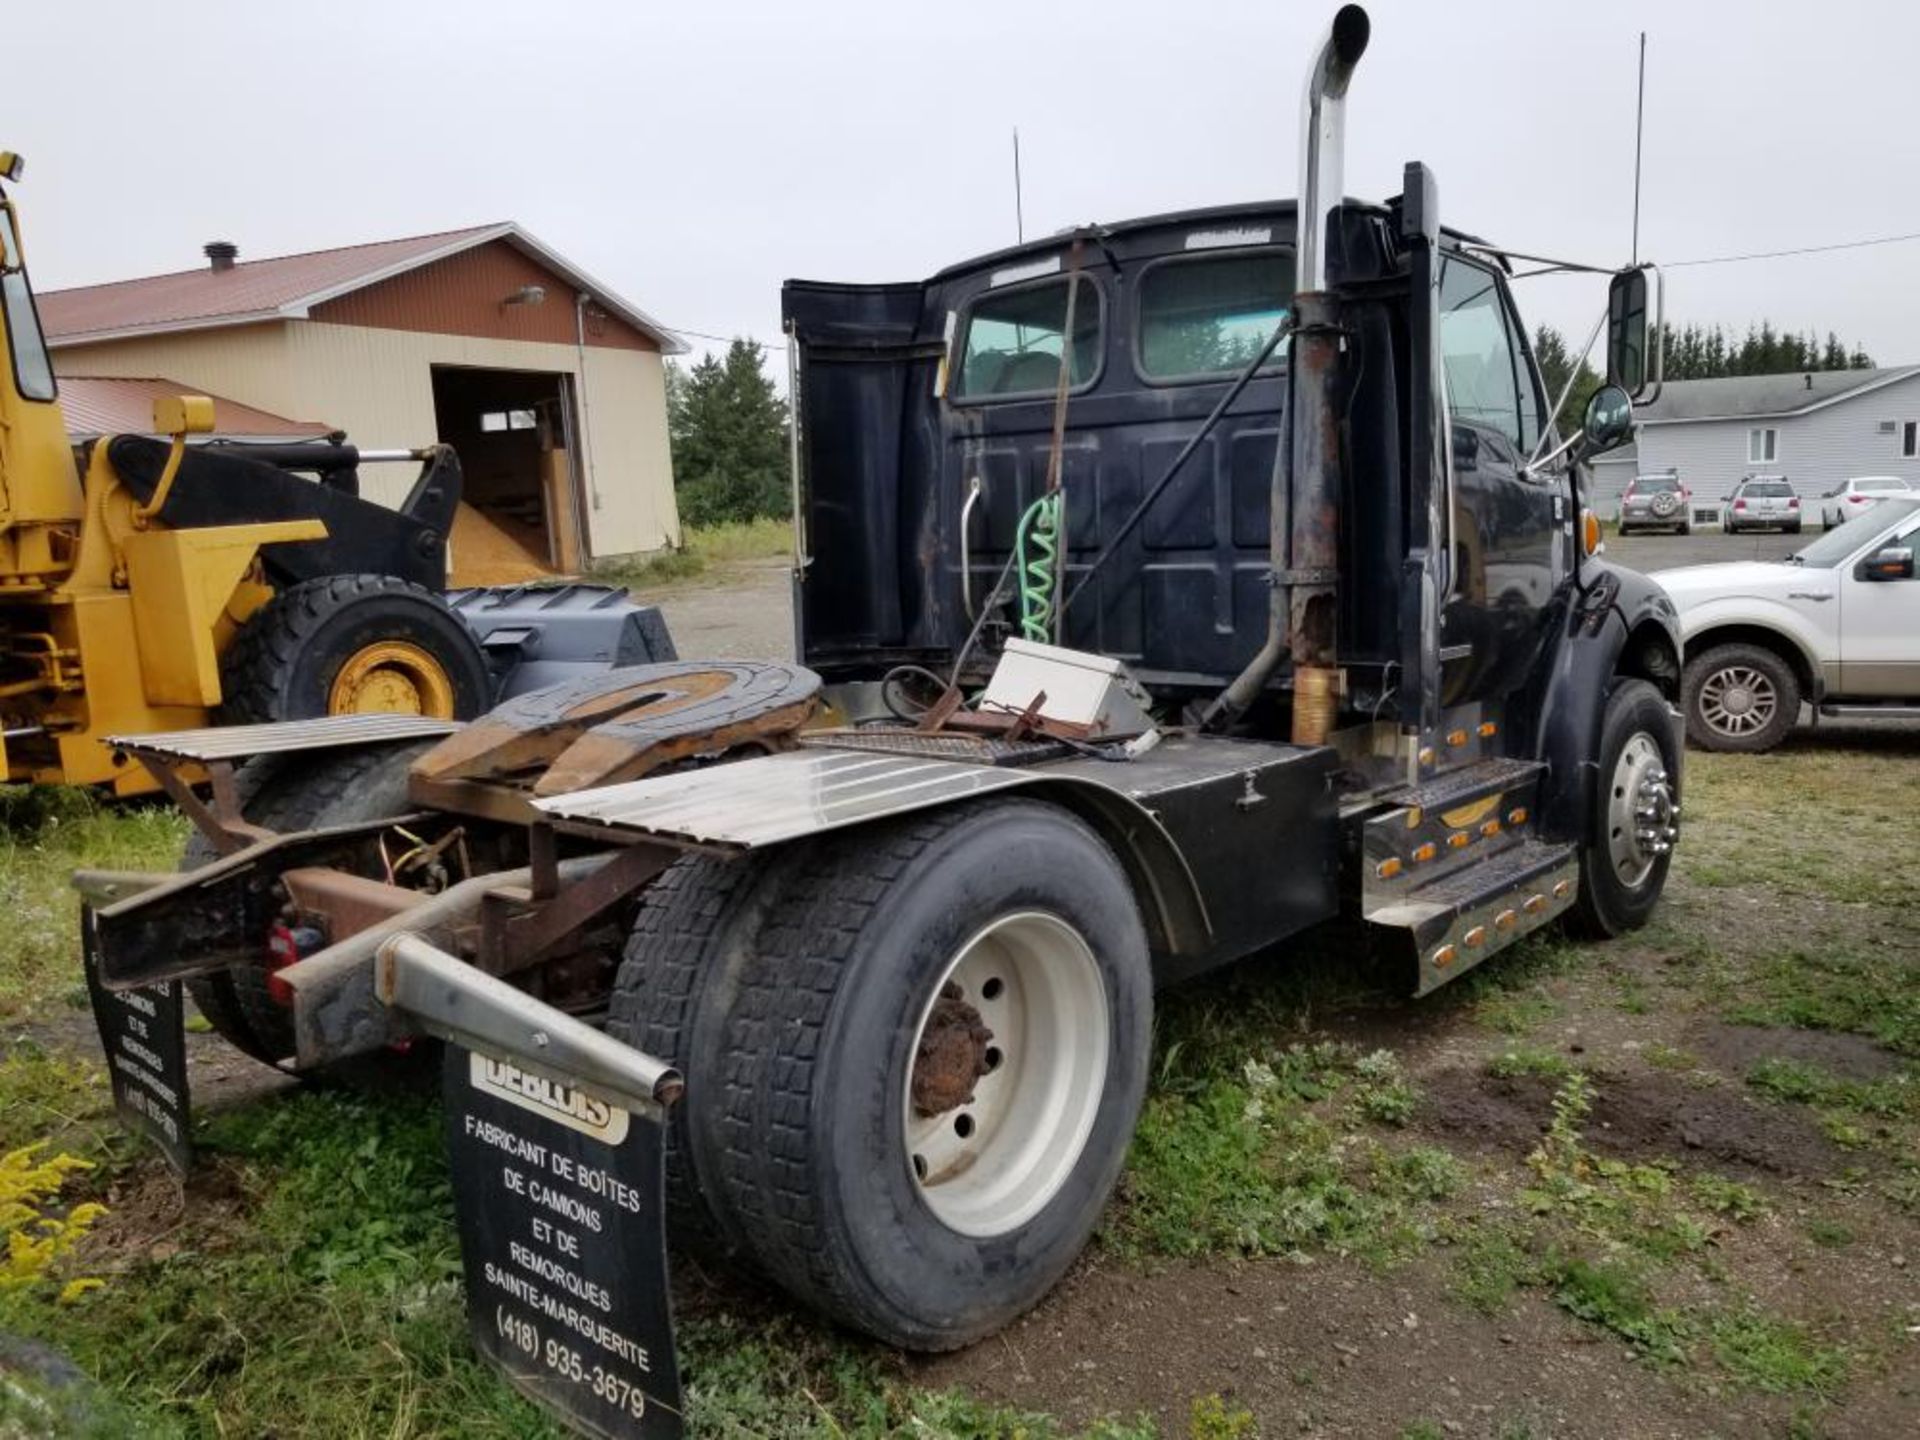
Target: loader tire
(353, 643)
(696, 925)
(294, 792)
(931, 1068)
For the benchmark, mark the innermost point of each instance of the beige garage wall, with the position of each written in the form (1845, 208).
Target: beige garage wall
(247, 363)
(377, 385)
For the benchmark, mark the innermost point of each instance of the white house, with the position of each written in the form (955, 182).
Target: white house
(1816, 429)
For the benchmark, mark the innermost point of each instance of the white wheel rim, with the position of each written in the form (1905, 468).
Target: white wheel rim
(1738, 700)
(990, 1163)
(1642, 820)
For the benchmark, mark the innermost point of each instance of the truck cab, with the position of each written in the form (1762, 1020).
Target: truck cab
(925, 424)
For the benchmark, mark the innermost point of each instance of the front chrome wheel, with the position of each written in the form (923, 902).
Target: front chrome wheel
(1738, 700)
(1009, 1070)
(1643, 818)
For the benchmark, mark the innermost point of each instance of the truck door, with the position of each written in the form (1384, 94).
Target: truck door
(1504, 526)
(1880, 626)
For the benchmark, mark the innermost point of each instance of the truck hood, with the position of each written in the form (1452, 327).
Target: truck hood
(1695, 584)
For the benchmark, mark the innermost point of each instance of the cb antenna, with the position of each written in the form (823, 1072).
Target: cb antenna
(1639, 124)
(1019, 218)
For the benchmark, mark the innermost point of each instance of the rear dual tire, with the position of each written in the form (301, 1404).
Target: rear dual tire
(914, 1062)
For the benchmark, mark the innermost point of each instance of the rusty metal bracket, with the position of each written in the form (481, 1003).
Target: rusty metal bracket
(519, 927)
(222, 824)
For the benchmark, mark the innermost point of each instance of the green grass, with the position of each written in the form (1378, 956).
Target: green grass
(46, 833)
(702, 548)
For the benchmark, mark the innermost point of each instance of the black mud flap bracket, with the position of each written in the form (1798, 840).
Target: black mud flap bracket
(555, 1135)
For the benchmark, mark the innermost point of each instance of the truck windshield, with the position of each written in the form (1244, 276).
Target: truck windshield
(32, 370)
(1840, 543)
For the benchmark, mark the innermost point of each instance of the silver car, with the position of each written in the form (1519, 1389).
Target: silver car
(1655, 502)
(1762, 502)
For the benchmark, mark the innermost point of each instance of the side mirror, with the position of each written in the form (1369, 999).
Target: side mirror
(1609, 420)
(1633, 333)
(1895, 562)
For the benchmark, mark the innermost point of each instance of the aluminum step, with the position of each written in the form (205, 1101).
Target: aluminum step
(1455, 921)
(1453, 821)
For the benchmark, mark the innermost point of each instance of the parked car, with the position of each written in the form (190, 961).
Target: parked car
(1836, 625)
(1762, 502)
(1655, 502)
(1855, 497)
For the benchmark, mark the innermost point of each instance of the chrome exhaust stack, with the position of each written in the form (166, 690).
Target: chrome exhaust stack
(1304, 542)
(1323, 139)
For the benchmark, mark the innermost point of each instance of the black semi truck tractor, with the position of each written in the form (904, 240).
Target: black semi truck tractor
(1162, 590)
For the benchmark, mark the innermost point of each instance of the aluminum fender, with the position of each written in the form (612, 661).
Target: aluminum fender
(1615, 608)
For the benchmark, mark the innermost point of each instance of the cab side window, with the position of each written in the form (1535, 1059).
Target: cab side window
(1489, 379)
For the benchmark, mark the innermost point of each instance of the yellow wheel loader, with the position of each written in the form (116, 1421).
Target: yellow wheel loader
(150, 585)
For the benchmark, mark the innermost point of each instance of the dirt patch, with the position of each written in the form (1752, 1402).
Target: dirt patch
(1328, 1349)
(1736, 1049)
(152, 1216)
(1634, 1118)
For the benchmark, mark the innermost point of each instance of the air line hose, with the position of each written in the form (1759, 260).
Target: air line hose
(1038, 542)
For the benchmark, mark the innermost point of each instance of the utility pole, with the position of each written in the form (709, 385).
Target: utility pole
(1639, 124)
(1019, 217)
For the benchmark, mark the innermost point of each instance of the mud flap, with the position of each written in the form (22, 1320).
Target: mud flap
(555, 1135)
(143, 1032)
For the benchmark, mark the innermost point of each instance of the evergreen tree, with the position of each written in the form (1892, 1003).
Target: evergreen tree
(728, 429)
(1552, 354)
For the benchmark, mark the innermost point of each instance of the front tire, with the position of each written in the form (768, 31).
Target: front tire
(1635, 819)
(1740, 697)
(931, 1070)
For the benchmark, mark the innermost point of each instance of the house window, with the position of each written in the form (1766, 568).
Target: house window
(1763, 446)
(1910, 439)
(494, 421)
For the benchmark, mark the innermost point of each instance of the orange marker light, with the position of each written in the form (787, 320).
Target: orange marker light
(1506, 920)
(1487, 729)
(1460, 839)
(1490, 829)
(1456, 737)
(1535, 904)
(1476, 937)
(1444, 957)
(1589, 532)
(1424, 853)
(1517, 815)
(1388, 868)
(1562, 889)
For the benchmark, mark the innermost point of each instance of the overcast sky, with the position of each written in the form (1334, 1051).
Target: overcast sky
(694, 155)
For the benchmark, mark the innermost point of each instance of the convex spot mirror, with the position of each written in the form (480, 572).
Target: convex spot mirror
(1895, 562)
(1609, 420)
(1633, 329)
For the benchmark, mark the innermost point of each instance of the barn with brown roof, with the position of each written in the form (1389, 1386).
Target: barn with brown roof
(549, 385)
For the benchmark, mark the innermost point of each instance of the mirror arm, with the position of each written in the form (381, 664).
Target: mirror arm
(1537, 465)
(1566, 394)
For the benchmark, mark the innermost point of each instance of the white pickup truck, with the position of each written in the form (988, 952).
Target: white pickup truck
(1836, 625)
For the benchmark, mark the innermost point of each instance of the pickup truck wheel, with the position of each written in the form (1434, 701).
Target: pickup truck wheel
(1636, 814)
(344, 787)
(696, 925)
(1740, 697)
(931, 1071)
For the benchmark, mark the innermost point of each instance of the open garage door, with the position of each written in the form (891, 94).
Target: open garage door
(513, 430)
